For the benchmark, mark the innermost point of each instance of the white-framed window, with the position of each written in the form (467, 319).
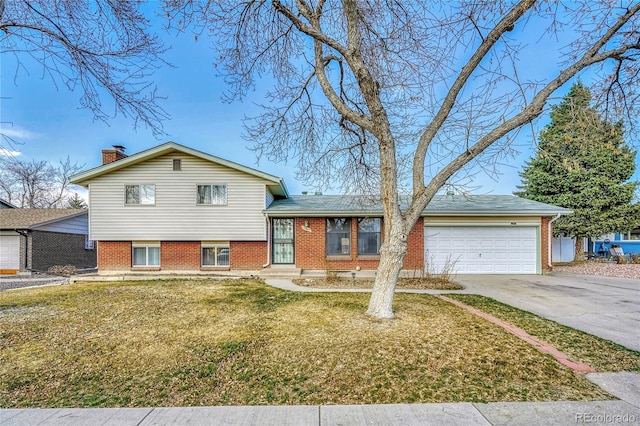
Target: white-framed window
(632, 235)
(146, 254)
(212, 194)
(140, 195)
(88, 244)
(214, 254)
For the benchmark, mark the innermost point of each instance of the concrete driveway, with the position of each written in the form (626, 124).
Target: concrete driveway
(604, 306)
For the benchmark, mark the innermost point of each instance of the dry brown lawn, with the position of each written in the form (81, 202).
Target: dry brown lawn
(208, 342)
(425, 283)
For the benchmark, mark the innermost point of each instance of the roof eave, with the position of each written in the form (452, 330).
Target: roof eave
(83, 178)
(494, 213)
(58, 219)
(352, 213)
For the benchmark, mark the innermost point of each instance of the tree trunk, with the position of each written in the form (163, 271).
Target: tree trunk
(392, 255)
(579, 250)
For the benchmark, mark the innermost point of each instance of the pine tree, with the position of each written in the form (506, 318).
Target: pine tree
(76, 202)
(583, 163)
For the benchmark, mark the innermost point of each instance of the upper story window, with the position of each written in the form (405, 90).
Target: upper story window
(338, 236)
(212, 194)
(177, 164)
(144, 194)
(369, 235)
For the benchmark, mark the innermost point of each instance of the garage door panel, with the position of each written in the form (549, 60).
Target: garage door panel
(483, 250)
(9, 253)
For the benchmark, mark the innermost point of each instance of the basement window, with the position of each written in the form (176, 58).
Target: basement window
(146, 254)
(215, 254)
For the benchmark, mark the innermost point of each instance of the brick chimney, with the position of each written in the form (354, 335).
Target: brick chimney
(115, 154)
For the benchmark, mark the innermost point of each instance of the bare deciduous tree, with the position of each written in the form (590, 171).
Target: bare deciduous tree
(368, 90)
(36, 184)
(99, 46)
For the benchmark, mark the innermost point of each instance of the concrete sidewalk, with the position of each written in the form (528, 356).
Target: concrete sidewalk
(499, 413)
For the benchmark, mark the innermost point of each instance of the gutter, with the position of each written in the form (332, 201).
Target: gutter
(266, 218)
(550, 239)
(25, 234)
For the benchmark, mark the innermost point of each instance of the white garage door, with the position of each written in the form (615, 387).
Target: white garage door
(9, 253)
(482, 249)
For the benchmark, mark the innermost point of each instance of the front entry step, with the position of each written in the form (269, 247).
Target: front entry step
(281, 271)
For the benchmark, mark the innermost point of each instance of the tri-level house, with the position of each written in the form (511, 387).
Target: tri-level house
(173, 208)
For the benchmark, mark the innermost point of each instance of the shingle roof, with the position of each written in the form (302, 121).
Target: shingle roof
(27, 218)
(491, 205)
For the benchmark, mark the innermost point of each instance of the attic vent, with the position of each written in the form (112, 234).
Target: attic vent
(177, 164)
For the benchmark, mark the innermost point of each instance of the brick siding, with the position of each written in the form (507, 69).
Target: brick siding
(47, 249)
(247, 255)
(114, 255)
(310, 248)
(180, 255)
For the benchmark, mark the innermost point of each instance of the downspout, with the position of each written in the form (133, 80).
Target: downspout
(550, 239)
(25, 234)
(266, 218)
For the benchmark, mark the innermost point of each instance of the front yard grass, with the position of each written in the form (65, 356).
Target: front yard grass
(601, 354)
(208, 342)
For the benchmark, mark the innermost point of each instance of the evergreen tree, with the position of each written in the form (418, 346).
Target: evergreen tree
(583, 163)
(76, 202)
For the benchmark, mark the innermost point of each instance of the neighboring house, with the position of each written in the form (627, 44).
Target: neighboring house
(629, 241)
(564, 247)
(173, 208)
(36, 239)
(6, 205)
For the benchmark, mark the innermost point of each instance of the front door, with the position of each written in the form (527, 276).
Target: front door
(283, 238)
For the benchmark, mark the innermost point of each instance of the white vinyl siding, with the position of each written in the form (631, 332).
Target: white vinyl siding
(268, 198)
(176, 215)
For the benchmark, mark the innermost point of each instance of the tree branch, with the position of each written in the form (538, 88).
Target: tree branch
(505, 25)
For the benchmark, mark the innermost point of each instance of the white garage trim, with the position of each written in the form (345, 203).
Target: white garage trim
(484, 248)
(9, 254)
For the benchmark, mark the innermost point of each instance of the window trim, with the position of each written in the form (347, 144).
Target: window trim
(146, 246)
(217, 246)
(226, 194)
(139, 203)
(348, 232)
(89, 244)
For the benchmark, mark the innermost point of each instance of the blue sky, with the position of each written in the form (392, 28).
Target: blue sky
(48, 123)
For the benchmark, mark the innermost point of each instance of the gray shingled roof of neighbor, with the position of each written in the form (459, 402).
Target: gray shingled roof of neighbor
(8, 204)
(450, 205)
(29, 218)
